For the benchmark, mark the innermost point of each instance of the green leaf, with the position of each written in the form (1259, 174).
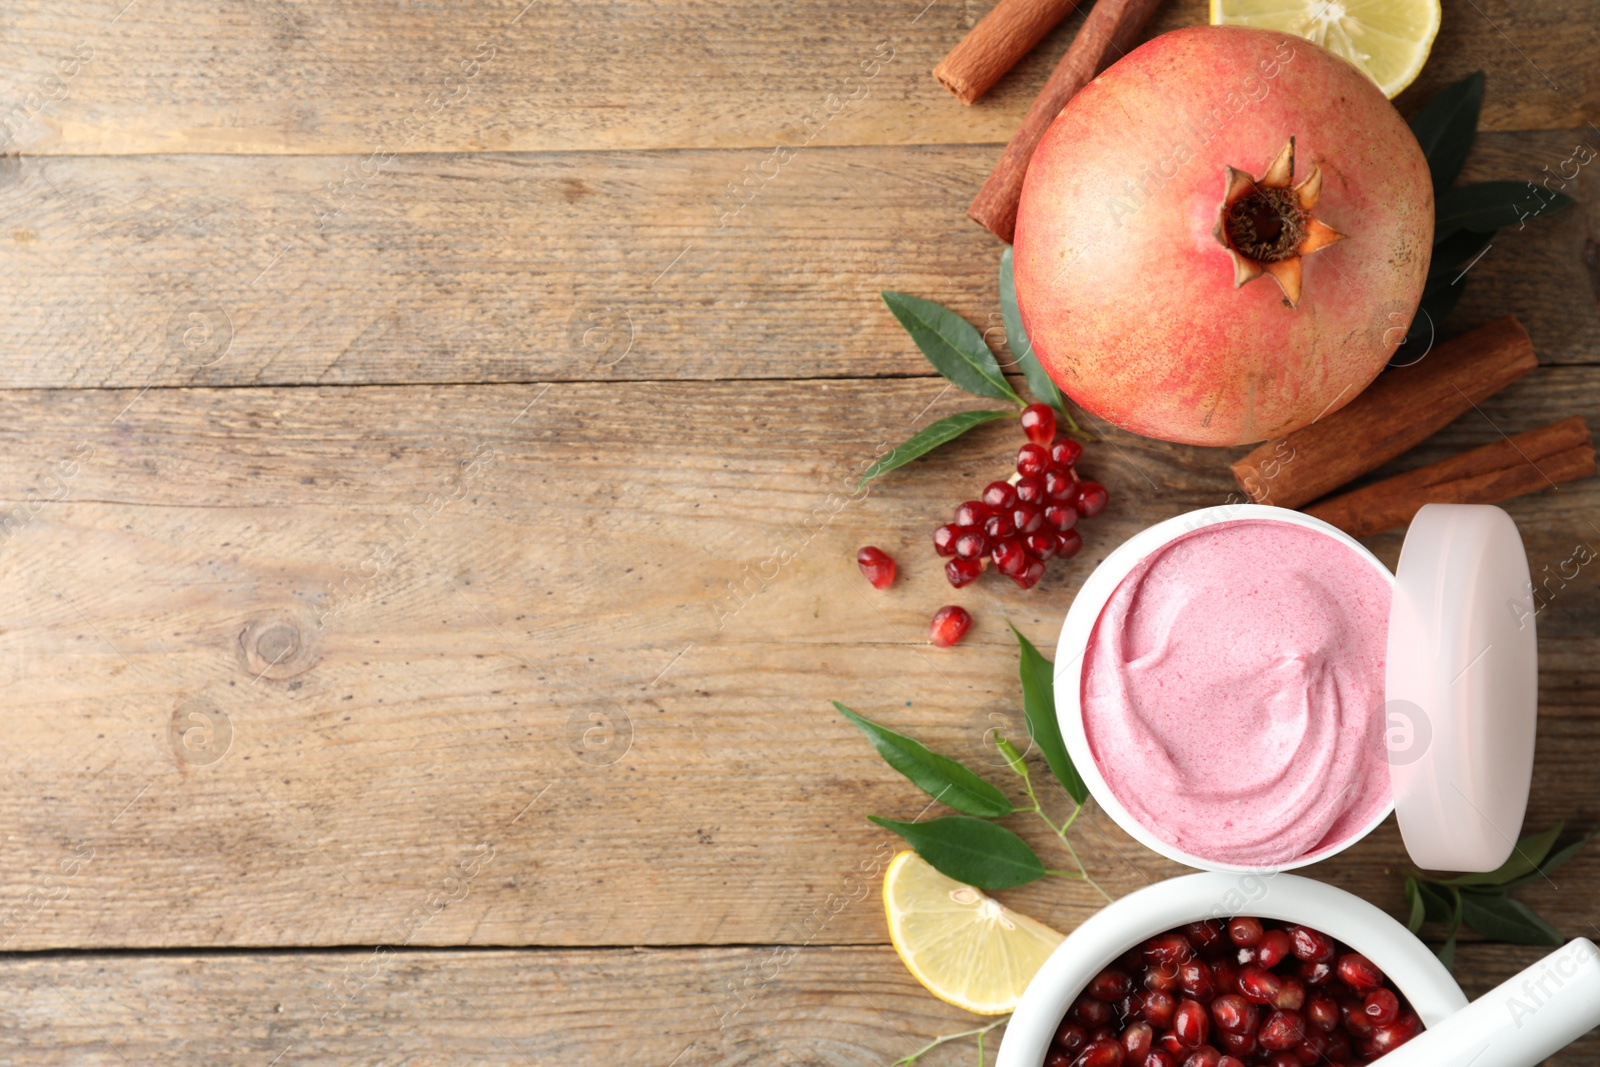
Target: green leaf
(1040, 383)
(929, 438)
(955, 349)
(1447, 951)
(1437, 904)
(1419, 910)
(1453, 255)
(1524, 860)
(940, 777)
(1013, 757)
(1504, 918)
(969, 850)
(1446, 127)
(1555, 860)
(1039, 711)
(1487, 206)
(1425, 326)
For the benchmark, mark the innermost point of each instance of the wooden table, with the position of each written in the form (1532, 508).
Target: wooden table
(428, 438)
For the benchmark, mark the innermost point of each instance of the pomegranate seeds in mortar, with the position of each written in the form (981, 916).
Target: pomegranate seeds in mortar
(1206, 995)
(1020, 525)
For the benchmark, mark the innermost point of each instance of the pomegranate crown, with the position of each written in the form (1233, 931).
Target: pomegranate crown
(1266, 225)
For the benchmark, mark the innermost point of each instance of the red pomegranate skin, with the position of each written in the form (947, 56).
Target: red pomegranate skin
(1128, 295)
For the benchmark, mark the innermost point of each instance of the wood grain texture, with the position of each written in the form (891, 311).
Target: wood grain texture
(817, 1007)
(298, 78)
(227, 271)
(441, 623)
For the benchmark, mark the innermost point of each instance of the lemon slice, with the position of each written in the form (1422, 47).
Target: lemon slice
(1388, 39)
(966, 948)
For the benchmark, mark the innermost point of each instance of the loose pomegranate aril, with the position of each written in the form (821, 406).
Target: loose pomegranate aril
(1245, 931)
(1104, 1052)
(949, 625)
(1059, 486)
(999, 495)
(944, 540)
(1315, 974)
(1071, 544)
(1158, 1008)
(1313, 1048)
(1235, 1014)
(1065, 453)
(960, 572)
(1030, 490)
(998, 528)
(971, 545)
(1273, 949)
(1109, 985)
(1039, 423)
(1338, 1049)
(1168, 951)
(1196, 979)
(1159, 1058)
(1091, 1012)
(1057, 1058)
(1311, 945)
(1281, 1031)
(1032, 460)
(1137, 1041)
(1259, 984)
(1204, 1056)
(1191, 1023)
(1323, 1013)
(1101, 1033)
(1042, 545)
(970, 515)
(1027, 518)
(1061, 517)
(877, 565)
(1204, 935)
(1238, 1044)
(1382, 1007)
(1226, 973)
(1092, 497)
(1010, 559)
(1354, 1016)
(1386, 1039)
(1071, 1036)
(1030, 574)
(1229, 1061)
(1357, 972)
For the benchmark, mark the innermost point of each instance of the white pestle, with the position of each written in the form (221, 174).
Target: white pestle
(1520, 1021)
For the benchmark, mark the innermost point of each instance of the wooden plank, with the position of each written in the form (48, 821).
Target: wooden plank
(355, 78)
(282, 667)
(817, 1007)
(569, 266)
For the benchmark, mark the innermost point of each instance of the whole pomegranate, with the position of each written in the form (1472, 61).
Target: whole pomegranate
(1223, 237)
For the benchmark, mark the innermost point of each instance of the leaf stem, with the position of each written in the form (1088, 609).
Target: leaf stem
(1061, 832)
(979, 1033)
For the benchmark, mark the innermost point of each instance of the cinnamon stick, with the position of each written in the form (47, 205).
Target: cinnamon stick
(1509, 467)
(1001, 38)
(1110, 31)
(1400, 409)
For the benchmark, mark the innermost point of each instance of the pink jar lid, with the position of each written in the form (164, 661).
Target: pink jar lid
(1462, 687)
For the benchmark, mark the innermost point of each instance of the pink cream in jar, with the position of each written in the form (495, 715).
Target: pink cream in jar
(1232, 693)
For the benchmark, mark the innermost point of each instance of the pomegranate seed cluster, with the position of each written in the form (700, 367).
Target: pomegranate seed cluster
(1021, 524)
(1245, 992)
